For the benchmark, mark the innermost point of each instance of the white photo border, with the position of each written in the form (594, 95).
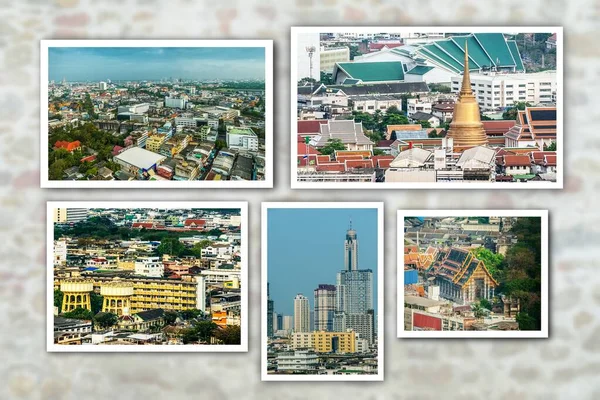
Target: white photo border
(45, 182)
(295, 184)
(541, 334)
(265, 207)
(51, 347)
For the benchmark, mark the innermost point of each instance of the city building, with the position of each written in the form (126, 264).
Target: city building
(298, 361)
(349, 132)
(503, 90)
(325, 302)
(174, 102)
(270, 311)
(330, 56)
(241, 138)
(149, 266)
(70, 215)
(325, 342)
(139, 162)
(535, 127)
(301, 314)
(351, 250)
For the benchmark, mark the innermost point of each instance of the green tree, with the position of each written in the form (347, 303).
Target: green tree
(96, 302)
(493, 261)
(191, 313)
(171, 246)
(511, 113)
(79, 313)
(485, 303)
(326, 78)
(478, 311)
(551, 147)
(220, 144)
(105, 320)
(393, 110)
(229, 335)
(526, 322)
(432, 134)
(425, 124)
(394, 119)
(58, 298)
(170, 317)
(331, 146)
(204, 330)
(197, 248)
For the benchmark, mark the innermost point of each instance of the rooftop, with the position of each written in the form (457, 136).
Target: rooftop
(140, 158)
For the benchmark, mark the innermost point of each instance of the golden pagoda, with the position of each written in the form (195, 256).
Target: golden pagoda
(466, 128)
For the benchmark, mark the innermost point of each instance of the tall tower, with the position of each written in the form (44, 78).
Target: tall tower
(76, 294)
(325, 303)
(270, 310)
(351, 250)
(301, 314)
(117, 297)
(466, 128)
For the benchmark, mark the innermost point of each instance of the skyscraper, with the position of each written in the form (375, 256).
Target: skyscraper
(351, 250)
(301, 314)
(270, 307)
(325, 304)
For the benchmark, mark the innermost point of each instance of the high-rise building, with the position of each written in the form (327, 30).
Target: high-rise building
(270, 308)
(355, 291)
(70, 215)
(351, 250)
(301, 314)
(288, 323)
(102, 86)
(325, 303)
(275, 322)
(279, 322)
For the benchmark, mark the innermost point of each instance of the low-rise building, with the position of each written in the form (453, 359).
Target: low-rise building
(241, 138)
(149, 266)
(138, 162)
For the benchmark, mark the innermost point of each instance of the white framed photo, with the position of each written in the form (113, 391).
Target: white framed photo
(322, 291)
(156, 113)
(472, 274)
(467, 107)
(147, 276)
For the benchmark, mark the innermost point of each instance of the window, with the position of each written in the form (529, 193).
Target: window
(370, 107)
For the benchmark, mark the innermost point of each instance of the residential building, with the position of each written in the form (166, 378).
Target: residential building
(301, 314)
(173, 102)
(298, 360)
(155, 141)
(70, 215)
(503, 90)
(149, 266)
(270, 311)
(325, 302)
(330, 56)
(241, 138)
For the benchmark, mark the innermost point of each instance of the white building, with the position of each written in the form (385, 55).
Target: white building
(149, 266)
(416, 105)
(301, 314)
(302, 340)
(298, 360)
(370, 104)
(503, 90)
(60, 252)
(329, 56)
(287, 323)
(174, 102)
(219, 276)
(140, 108)
(241, 138)
(102, 85)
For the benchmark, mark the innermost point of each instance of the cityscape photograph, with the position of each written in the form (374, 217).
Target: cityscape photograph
(133, 113)
(151, 276)
(473, 274)
(417, 109)
(322, 267)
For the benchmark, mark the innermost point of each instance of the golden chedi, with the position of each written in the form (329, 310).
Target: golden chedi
(466, 128)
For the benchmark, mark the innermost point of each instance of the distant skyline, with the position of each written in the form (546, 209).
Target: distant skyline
(155, 63)
(306, 248)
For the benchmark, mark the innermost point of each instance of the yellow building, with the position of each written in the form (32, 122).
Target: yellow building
(149, 294)
(154, 142)
(325, 342)
(117, 296)
(76, 294)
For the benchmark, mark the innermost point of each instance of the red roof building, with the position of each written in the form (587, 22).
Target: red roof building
(337, 167)
(69, 146)
(304, 148)
(88, 158)
(311, 127)
(516, 161)
(194, 223)
(498, 127)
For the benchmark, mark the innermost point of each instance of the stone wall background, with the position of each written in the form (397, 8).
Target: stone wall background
(566, 366)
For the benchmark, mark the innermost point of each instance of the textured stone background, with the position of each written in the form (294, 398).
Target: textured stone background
(566, 366)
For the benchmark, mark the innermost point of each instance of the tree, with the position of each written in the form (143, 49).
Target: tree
(485, 303)
(493, 261)
(96, 302)
(511, 113)
(394, 119)
(197, 248)
(79, 313)
(229, 335)
(220, 144)
(171, 246)
(526, 322)
(432, 134)
(204, 330)
(425, 124)
(326, 78)
(191, 313)
(170, 317)
(478, 311)
(58, 298)
(551, 147)
(331, 146)
(393, 110)
(106, 320)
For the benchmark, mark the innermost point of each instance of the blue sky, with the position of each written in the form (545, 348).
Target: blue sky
(306, 248)
(153, 63)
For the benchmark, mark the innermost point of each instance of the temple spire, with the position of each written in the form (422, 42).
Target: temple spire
(466, 83)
